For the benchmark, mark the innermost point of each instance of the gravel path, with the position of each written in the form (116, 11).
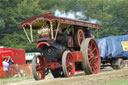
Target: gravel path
(79, 79)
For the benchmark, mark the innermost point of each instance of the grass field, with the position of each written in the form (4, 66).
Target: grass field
(121, 81)
(20, 78)
(15, 79)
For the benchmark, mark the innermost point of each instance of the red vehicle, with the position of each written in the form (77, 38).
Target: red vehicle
(66, 46)
(17, 55)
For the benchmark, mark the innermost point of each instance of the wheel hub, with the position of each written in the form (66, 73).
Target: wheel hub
(70, 64)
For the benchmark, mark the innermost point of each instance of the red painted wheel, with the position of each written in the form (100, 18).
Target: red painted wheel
(91, 56)
(79, 36)
(68, 64)
(38, 67)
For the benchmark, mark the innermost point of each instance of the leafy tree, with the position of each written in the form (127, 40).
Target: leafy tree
(13, 15)
(112, 15)
(2, 24)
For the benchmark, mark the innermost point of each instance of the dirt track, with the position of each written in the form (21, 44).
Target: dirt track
(79, 79)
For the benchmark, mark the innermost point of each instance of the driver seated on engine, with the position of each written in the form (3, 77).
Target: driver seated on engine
(44, 33)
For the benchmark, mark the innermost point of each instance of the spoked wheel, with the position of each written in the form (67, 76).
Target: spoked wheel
(79, 36)
(91, 56)
(125, 63)
(57, 73)
(117, 63)
(38, 67)
(68, 64)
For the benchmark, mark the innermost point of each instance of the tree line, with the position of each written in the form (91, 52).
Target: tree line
(112, 15)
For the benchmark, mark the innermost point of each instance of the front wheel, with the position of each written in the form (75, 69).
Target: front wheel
(38, 67)
(68, 64)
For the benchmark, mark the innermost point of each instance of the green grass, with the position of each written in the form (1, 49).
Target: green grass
(19, 78)
(15, 79)
(122, 81)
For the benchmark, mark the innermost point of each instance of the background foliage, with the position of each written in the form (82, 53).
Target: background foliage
(112, 15)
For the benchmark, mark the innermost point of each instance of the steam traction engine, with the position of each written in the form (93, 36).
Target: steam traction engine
(66, 46)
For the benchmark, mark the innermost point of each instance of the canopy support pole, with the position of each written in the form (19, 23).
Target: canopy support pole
(27, 35)
(31, 33)
(57, 30)
(51, 29)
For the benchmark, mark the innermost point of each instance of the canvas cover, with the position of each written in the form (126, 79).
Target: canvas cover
(113, 46)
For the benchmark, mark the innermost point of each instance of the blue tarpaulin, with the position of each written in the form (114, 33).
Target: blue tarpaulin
(111, 47)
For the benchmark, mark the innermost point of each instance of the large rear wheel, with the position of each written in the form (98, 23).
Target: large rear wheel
(68, 64)
(38, 67)
(91, 56)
